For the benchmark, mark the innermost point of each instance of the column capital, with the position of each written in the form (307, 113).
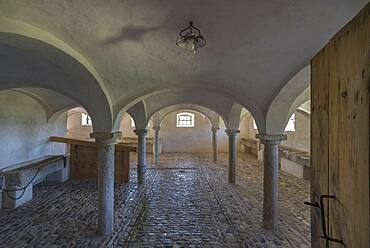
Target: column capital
(106, 137)
(141, 131)
(232, 132)
(156, 128)
(215, 129)
(273, 139)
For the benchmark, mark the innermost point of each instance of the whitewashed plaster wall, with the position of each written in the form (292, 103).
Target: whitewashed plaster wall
(195, 139)
(198, 138)
(24, 130)
(128, 130)
(300, 139)
(174, 139)
(246, 127)
(74, 128)
(78, 131)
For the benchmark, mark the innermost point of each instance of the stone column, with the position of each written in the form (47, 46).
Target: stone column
(141, 154)
(232, 154)
(2, 182)
(270, 179)
(105, 145)
(156, 145)
(214, 143)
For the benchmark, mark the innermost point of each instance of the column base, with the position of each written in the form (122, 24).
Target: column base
(141, 174)
(231, 180)
(141, 153)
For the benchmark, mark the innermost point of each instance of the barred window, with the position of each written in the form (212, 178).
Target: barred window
(185, 120)
(85, 120)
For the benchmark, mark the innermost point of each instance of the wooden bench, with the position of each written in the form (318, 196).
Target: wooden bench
(295, 162)
(18, 179)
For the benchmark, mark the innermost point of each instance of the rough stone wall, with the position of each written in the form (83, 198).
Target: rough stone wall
(24, 130)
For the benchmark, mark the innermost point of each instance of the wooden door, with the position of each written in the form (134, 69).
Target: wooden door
(340, 81)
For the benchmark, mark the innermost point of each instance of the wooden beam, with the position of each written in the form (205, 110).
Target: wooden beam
(119, 146)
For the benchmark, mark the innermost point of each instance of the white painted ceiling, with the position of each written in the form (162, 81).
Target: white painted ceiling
(253, 47)
(52, 101)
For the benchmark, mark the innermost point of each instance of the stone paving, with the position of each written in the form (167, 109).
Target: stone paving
(185, 202)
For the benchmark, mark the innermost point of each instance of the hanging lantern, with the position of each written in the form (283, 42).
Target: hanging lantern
(191, 38)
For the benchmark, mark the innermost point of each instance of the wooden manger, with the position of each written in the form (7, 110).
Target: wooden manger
(84, 159)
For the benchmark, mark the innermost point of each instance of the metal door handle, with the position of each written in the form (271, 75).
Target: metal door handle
(323, 223)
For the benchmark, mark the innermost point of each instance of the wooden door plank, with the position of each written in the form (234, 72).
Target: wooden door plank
(349, 169)
(319, 141)
(340, 73)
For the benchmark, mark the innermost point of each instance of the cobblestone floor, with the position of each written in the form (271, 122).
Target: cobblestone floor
(185, 202)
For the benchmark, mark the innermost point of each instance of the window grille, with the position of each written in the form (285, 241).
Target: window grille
(185, 120)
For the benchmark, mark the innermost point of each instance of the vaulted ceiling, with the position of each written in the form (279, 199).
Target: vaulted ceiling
(253, 47)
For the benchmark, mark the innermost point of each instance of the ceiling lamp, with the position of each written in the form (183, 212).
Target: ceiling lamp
(191, 38)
